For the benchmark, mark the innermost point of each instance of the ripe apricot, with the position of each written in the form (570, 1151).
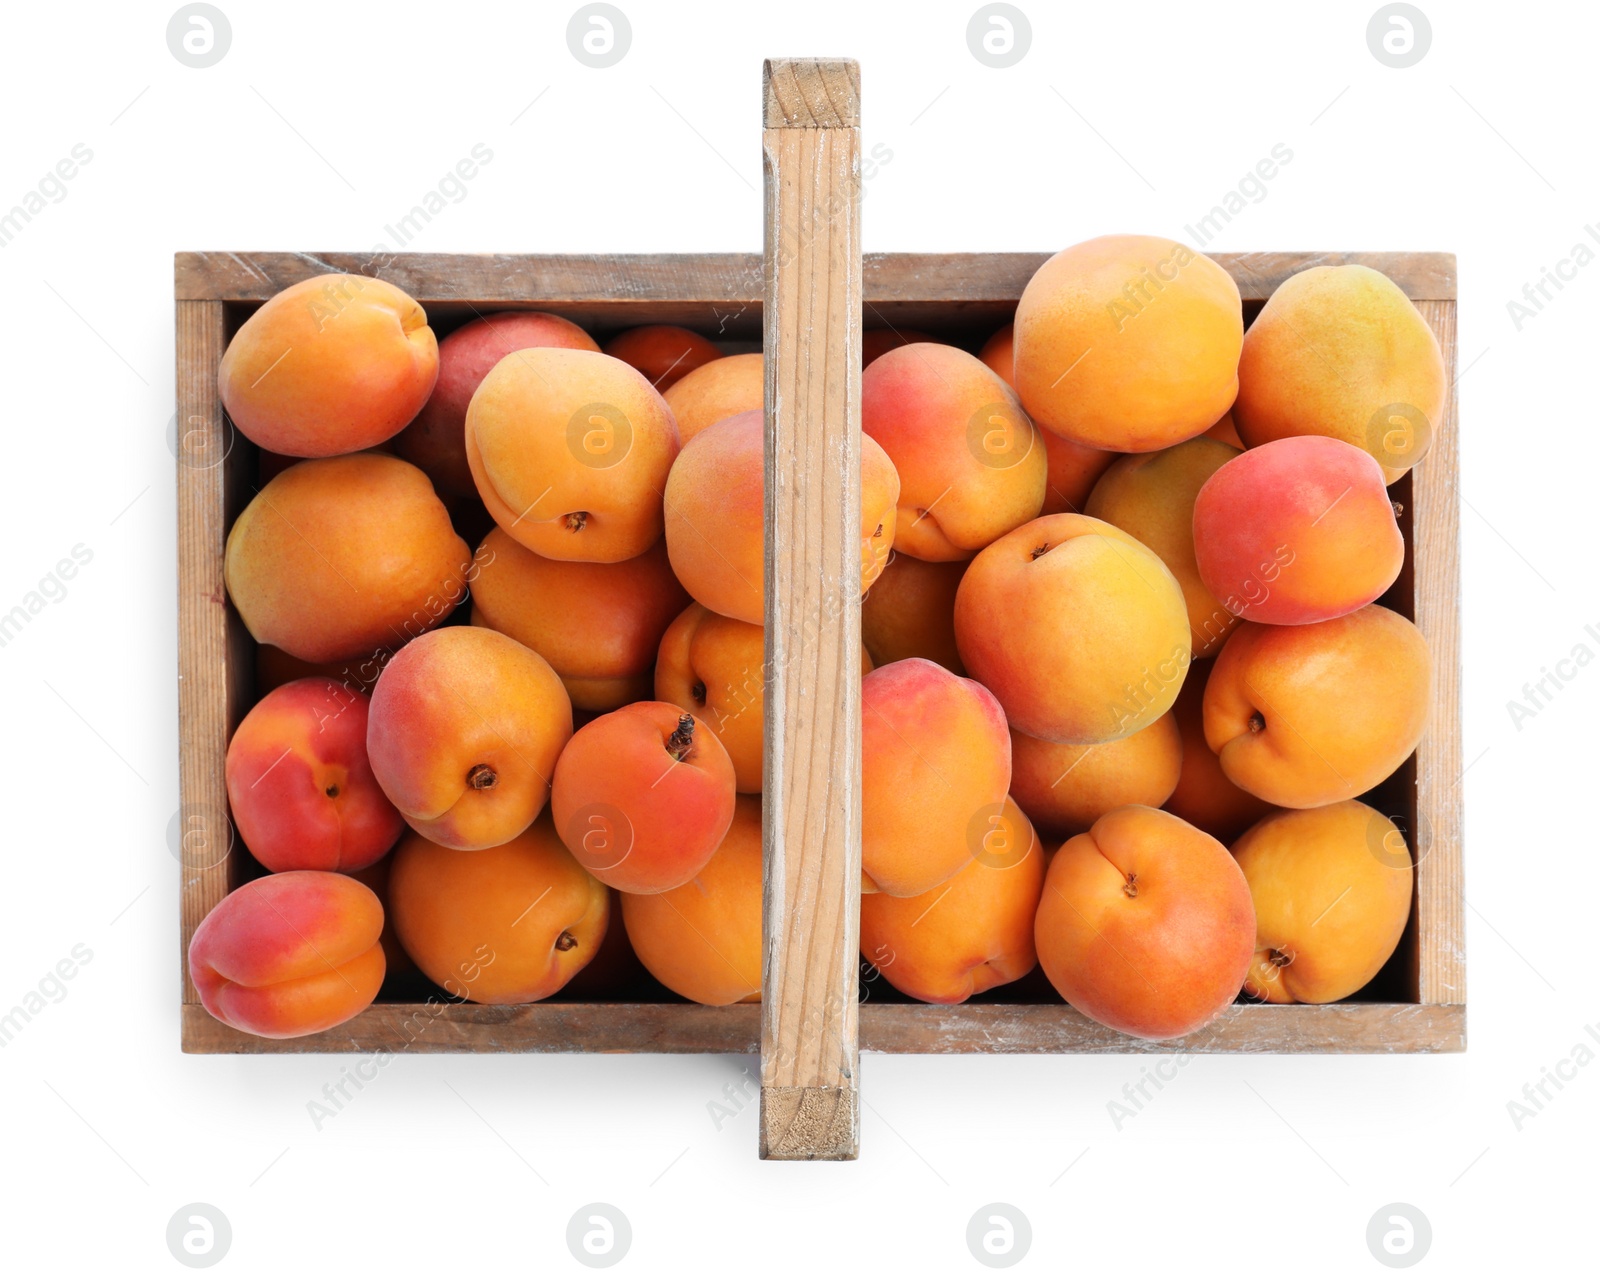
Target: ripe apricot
(511, 924)
(598, 624)
(1066, 788)
(436, 440)
(1152, 497)
(299, 785)
(289, 955)
(716, 390)
(702, 940)
(1145, 924)
(642, 796)
(1128, 648)
(570, 450)
(1296, 531)
(1340, 350)
(337, 558)
(970, 463)
(463, 735)
(1128, 343)
(1306, 715)
(329, 365)
(967, 935)
(663, 355)
(935, 766)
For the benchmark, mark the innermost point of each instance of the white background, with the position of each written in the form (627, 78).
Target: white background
(324, 122)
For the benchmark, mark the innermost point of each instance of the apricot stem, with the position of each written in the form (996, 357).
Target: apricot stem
(575, 521)
(682, 738)
(1279, 959)
(481, 777)
(566, 941)
(1258, 722)
(332, 791)
(1131, 888)
(1039, 552)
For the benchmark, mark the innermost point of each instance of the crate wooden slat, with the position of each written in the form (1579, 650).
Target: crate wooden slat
(811, 802)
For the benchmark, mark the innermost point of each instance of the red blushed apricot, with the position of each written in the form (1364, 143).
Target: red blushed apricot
(721, 388)
(1205, 797)
(662, 355)
(512, 924)
(935, 766)
(436, 440)
(999, 354)
(1066, 789)
(702, 940)
(569, 450)
(880, 340)
(336, 558)
(970, 934)
(910, 612)
(463, 735)
(642, 797)
(598, 624)
(712, 667)
(301, 790)
(1128, 648)
(1307, 715)
(1146, 924)
(715, 510)
(1152, 497)
(330, 365)
(1297, 531)
(1128, 343)
(970, 463)
(291, 954)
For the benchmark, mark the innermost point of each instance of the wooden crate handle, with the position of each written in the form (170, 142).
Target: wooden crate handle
(811, 145)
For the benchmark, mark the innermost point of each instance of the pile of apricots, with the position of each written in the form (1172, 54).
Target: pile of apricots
(1126, 670)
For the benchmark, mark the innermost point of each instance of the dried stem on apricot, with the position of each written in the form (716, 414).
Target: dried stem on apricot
(566, 941)
(681, 739)
(575, 521)
(1131, 888)
(481, 777)
(1258, 722)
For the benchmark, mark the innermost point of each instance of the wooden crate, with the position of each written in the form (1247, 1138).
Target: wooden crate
(816, 291)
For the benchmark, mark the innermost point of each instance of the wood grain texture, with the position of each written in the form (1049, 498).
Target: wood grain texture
(812, 782)
(1044, 1028)
(1436, 571)
(207, 649)
(807, 92)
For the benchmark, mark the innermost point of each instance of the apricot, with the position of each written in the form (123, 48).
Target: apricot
(463, 735)
(598, 624)
(436, 440)
(570, 450)
(289, 955)
(970, 462)
(329, 365)
(1146, 924)
(935, 766)
(999, 354)
(718, 389)
(1065, 789)
(663, 355)
(1340, 350)
(1330, 905)
(1128, 343)
(1204, 796)
(910, 612)
(970, 934)
(1296, 531)
(715, 508)
(511, 924)
(1306, 715)
(878, 341)
(302, 793)
(1079, 630)
(340, 557)
(642, 796)
(702, 940)
(714, 667)
(1152, 497)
